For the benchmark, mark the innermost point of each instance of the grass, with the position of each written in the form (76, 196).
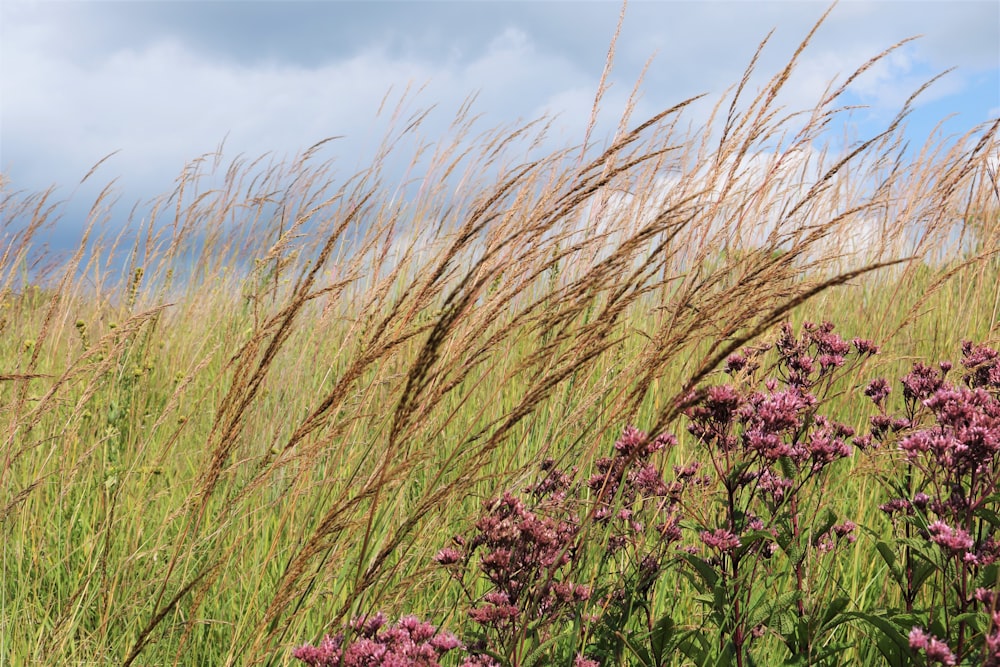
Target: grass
(300, 386)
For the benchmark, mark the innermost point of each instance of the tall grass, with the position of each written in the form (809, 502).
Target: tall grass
(263, 404)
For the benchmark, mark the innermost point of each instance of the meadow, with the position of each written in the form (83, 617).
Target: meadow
(279, 399)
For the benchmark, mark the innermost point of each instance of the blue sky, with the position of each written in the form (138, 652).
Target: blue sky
(163, 82)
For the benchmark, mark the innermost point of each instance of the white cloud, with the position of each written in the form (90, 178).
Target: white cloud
(164, 105)
(163, 97)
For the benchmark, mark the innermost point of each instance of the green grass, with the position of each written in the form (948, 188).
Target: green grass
(273, 426)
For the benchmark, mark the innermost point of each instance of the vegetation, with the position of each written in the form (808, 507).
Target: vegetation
(266, 406)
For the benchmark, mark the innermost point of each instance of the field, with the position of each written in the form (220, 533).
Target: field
(268, 405)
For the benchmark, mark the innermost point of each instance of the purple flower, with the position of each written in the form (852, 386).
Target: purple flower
(955, 540)
(720, 539)
(496, 612)
(409, 643)
(935, 649)
(327, 654)
(480, 661)
(983, 364)
(896, 506)
(865, 346)
(877, 390)
(921, 382)
(448, 556)
(735, 363)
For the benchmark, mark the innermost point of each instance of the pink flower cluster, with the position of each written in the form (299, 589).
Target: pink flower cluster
(936, 651)
(779, 423)
(622, 481)
(524, 556)
(409, 643)
(958, 453)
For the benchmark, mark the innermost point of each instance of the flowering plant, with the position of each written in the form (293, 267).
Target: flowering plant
(762, 525)
(943, 508)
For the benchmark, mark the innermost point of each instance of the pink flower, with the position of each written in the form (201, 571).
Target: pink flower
(935, 649)
(448, 556)
(720, 539)
(953, 539)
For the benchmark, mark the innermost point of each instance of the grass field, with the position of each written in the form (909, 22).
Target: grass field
(263, 408)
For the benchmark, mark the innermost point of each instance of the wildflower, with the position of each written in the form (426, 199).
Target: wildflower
(720, 539)
(921, 382)
(735, 363)
(410, 643)
(846, 530)
(496, 612)
(327, 654)
(935, 649)
(480, 661)
(865, 346)
(448, 556)
(984, 364)
(955, 540)
(896, 506)
(877, 390)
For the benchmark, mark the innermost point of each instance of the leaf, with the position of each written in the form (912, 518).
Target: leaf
(889, 556)
(987, 577)
(765, 609)
(540, 650)
(783, 623)
(820, 654)
(833, 614)
(921, 572)
(708, 574)
(751, 537)
(986, 512)
(976, 620)
(826, 521)
(893, 644)
(695, 646)
(638, 651)
(794, 550)
(661, 638)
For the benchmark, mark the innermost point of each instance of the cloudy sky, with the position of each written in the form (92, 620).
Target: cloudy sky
(164, 81)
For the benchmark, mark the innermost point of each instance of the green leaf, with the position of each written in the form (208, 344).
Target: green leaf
(987, 577)
(767, 607)
(893, 642)
(709, 576)
(826, 520)
(889, 556)
(794, 550)
(821, 654)
(987, 513)
(974, 619)
(539, 651)
(921, 572)
(637, 650)
(661, 638)
(832, 614)
(696, 646)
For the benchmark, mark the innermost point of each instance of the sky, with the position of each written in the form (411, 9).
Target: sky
(162, 82)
